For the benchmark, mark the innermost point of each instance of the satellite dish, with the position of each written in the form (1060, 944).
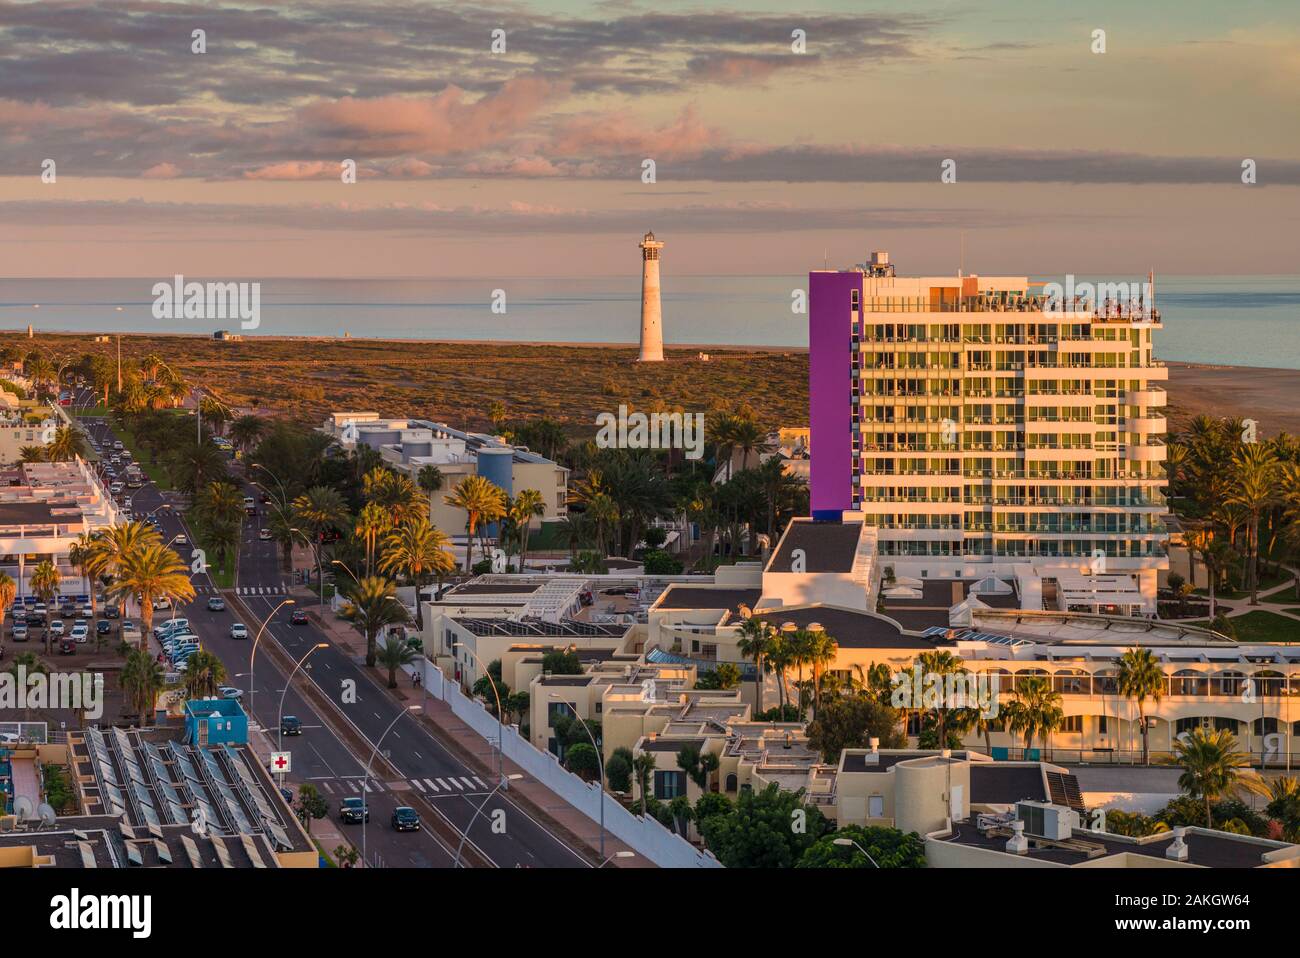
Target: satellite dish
(46, 814)
(23, 808)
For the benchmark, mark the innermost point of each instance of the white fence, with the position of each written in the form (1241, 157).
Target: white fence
(645, 835)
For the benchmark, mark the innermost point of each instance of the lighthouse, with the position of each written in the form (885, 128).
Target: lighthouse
(652, 317)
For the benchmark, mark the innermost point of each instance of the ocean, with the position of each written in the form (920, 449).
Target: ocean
(1228, 320)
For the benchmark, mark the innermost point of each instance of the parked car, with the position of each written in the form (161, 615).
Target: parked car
(299, 617)
(111, 612)
(57, 628)
(405, 819)
(290, 725)
(354, 810)
(103, 627)
(162, 602)
(239, 631)
(35, 619)
(68, 646)
(170, 626)
(80, 633)
(20, 631)
(216, 604)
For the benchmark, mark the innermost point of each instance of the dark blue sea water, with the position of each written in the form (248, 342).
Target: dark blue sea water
(1232, 320)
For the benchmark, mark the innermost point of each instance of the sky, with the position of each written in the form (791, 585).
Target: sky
(531, 161)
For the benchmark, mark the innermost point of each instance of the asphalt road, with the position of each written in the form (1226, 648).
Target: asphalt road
(426, 766)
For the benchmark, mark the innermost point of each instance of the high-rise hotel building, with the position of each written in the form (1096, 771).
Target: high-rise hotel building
(985, 429)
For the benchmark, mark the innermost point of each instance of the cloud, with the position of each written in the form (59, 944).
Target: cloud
(161, 171)
(618, 134)
(293, 170)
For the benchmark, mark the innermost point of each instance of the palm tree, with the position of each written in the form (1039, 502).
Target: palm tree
(393, 654)
(45, 584)
(778, 657)
(65, 445)
(417, 550)
(1035, 709)
(373, 605)
(602, 512)
(527, 504)
(754, 642)
(1215, 555)
(644, 767)
(88, 557)
(1213, 767)
(319, 510)
(150, 573)
(941, 663)
(246, 431)
(8, 591)
(117, 543)
(372, 522)
(821, 652)
(141, 680)
(430, 479)
(483, 502)
(1254, 489)
(204, 674)
(1140, 677)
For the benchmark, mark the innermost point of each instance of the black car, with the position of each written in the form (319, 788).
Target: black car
(290, 725)
(299, 617)
(405, 819)
(354, 810)
(110, 612)
(35, 618)
(103, 627)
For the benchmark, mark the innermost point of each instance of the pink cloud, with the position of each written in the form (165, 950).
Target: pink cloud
(620, 134)
(443, 124)
(161, 171)
(293, 170)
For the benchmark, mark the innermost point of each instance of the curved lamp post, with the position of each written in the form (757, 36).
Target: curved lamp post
(846, 842)
(496, 695)
(601, 763)
(365, 782)
(252, 686)
(464, 836)
(288, 683)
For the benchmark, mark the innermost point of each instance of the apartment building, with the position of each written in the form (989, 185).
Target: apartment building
(22, 427)
(981, 423)
(408, 445)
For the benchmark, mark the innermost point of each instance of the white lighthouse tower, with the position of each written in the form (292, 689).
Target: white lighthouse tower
(652, 316)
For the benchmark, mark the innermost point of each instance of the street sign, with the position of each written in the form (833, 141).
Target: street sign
(281, 763)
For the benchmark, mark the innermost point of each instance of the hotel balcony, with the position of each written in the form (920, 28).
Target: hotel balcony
(1149, 451)
(1146, 397)
(1146, 425)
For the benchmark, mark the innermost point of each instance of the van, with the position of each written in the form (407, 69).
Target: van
(115, 488)
(169, 627)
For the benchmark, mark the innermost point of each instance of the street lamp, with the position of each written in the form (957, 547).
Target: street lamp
(496, 695)
(315, 548)
(279, 740)
(252, 687)
(600, 760)
(846, 842)
(464, 836)
(624, 854)
(365, 782)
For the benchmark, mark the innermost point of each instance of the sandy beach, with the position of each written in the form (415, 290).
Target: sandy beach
(1269, 396)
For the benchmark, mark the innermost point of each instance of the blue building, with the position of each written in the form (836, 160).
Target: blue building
(215, 722)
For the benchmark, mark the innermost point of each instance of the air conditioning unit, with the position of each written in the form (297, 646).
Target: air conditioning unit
(1045, 820)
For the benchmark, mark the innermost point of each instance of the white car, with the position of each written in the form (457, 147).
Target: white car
(80, 633)
(162, 602)
(230, 692)
(239, 631)
(56, 627)
(181, 540)
(170, 626)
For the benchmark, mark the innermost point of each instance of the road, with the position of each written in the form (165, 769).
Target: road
(426, 766)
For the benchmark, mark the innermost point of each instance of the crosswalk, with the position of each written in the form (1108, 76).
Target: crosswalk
(261, 590)
(434, 786)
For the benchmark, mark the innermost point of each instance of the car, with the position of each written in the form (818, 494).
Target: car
(118, 445)
(86, 612)
(20, 631)
(57, 628)
(162, 602)
(111, 612)
(68, 646)
(153, 521)
(182, 651)
(39, 608)
(181, 540)
(230, 692)
(67, 609)
(299, 617)
(239, 631)
(287, 796)
(170, 626)
(354, 809)
(290, 725)
(126, 503)
(264, 534)
(35, 619)
(265, 498)
(80, 633)
(103, 627)
(216, 604)
(405, 819)
(115, 488)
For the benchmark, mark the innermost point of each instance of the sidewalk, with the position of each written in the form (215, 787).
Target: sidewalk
(573, 825)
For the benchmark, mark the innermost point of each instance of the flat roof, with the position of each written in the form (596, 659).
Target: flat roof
(857, 761)
(850, 629)
(828, 546)
(707, 597)
(992, 783)
(670, 744)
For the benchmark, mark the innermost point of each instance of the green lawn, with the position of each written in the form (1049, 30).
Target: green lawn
(94, 412)
(1262, 626)
(156, 473)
